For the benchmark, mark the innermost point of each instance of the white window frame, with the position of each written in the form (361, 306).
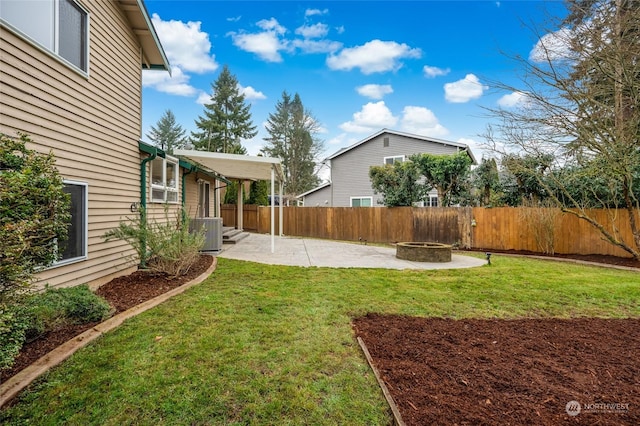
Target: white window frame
(85, 222)
(395, 158)
(204, 198)
(54, 49)
(163, 186)
(361, 198)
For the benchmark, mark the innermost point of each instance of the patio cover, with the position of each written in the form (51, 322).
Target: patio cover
(241, 167)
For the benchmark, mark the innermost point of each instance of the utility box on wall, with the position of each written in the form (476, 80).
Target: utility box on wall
(212, 231)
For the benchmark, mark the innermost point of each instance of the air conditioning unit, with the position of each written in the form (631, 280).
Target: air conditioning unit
(212, 231)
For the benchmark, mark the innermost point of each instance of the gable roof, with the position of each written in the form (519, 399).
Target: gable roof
(317, 188)
(463, 146)
(153, 56)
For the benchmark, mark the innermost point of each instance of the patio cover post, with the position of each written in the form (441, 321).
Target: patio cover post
(240, 205)
(273, 200)
(280, 210)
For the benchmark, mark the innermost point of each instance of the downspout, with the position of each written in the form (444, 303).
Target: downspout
(184, 191)
(143, 202)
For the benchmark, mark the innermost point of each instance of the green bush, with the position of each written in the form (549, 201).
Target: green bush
(13, 326)
(36, 314)
(55, 308)
(162, 246)
(34, 214)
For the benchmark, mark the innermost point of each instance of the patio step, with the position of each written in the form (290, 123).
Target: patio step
(231, 235)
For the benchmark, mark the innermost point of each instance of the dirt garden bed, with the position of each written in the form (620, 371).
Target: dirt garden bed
(509, 372)
(122, 293)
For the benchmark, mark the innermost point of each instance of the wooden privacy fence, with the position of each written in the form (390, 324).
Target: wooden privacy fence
(541, 230)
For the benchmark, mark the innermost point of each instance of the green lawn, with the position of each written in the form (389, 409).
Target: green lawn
(259, 344)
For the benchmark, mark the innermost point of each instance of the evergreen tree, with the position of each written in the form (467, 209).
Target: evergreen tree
(226, 119)
(292, 130)
(259, 193)
(167, 134)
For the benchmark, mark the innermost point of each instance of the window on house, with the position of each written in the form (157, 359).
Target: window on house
(59, 26)
(385, 142)
(164, 180)
(431, 201)
(394, 159)
(361, 201)
(75, 246)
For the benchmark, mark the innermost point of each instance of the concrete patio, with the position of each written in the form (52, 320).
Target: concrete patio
(296, 251)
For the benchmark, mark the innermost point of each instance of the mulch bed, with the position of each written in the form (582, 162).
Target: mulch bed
(507, 372)
(122, 293)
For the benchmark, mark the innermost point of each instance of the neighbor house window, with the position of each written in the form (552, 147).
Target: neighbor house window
(75, 246)
(394, 159)
(61, 27)
(361, 201)
(431, 201)
(164, 180)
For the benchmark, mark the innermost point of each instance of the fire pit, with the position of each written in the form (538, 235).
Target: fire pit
(424, 252)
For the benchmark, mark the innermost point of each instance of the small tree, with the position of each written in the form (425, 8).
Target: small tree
(167, 134)
(398, 183)
(34, 214)
(259, 193)
(449, 174)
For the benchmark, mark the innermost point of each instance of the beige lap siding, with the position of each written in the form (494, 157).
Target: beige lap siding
(91, 123)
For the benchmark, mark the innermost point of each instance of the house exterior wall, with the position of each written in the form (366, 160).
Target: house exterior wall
(350, 170)
(92, 123)
(319, 198)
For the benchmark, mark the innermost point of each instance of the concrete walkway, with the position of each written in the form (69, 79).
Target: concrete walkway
(295, 251)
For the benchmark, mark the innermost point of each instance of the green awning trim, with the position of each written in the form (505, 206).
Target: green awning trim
(151, 150)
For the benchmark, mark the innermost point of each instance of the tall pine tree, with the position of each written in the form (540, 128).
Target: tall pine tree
(292, 131)
(226, 119)
(167, 134)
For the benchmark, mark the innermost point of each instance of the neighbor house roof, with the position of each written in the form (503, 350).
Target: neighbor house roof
(317, 188)
(408, 135)
(153, 56)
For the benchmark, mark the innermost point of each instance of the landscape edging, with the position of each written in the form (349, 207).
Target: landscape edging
(24, 378)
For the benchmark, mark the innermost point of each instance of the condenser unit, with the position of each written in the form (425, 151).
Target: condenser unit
(212, 231)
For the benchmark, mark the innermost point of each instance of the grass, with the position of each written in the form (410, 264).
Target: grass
(260, 344)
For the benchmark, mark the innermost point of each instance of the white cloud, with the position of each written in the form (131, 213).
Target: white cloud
(203, 98)
(372, 116)
(421, 121)
(373, 56)
(316, 46)
(175, 84)
(513, 99)
(464, 90)
(552, 47)
(431, 72)
(185, 45)
(318, 30)
(312, 12)
(340, 29)
(251, 94)
(266, 44)
(374, 91)
(234, 18)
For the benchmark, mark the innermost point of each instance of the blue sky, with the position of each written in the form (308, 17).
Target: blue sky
(420, 67)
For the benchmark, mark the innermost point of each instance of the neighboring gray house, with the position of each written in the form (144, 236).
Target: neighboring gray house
(349, 184)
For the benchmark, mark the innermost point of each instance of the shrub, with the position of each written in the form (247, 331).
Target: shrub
(13, 326)
(34, 214)
(40, 313)
(165, 247)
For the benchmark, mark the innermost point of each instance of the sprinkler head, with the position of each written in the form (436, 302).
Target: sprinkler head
(488, 258)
